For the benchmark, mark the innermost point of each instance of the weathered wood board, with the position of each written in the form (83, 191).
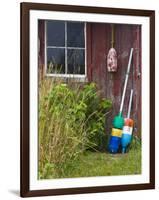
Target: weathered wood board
(111, 84)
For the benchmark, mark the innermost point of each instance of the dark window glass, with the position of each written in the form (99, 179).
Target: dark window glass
(55, 33)
(56, 60)
(75, 34)
(76, 61)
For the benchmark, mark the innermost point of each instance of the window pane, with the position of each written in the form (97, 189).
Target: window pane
(55, 33)
(75, 34)
(56, 60)
(76, 61)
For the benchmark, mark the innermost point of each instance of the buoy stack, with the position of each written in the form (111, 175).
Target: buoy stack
(116, 134)
(128, 128)
(118, 122)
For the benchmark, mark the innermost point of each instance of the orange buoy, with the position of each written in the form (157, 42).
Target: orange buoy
(129, 122)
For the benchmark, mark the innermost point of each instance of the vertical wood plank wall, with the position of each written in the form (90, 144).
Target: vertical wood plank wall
(111, 84)
(98, 39)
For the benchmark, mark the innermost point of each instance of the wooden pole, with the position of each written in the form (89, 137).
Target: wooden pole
(126, 81)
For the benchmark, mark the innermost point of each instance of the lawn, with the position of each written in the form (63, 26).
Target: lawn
(104, 164)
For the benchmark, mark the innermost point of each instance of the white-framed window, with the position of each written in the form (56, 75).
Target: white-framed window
(65, 48)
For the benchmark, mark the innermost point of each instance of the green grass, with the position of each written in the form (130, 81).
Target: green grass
(105, 164)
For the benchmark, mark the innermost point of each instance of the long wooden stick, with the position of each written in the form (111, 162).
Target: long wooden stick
(130, 102)
(126, 80)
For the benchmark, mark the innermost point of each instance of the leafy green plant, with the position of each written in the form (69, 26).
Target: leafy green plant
(97, 108)
(71, 119)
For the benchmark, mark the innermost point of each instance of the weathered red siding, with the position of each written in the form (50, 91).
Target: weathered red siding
(111, 84)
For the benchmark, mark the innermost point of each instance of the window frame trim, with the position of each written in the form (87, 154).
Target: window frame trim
(80, 77)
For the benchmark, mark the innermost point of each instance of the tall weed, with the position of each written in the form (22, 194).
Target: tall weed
(70, 118)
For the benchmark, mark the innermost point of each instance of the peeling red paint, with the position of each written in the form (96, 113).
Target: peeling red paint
(111, 85)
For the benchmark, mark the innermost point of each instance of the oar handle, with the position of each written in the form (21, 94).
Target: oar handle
(126, 80)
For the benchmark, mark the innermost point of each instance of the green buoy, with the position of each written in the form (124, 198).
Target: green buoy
(118, 121)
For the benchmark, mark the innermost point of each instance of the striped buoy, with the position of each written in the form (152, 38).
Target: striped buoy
(128, 128)
(115, 140)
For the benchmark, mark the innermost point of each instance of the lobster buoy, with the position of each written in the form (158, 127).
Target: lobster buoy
(116, 134)
(127, 129)
(126, 137)
(112, 55)
(115, 140)
(112, 60)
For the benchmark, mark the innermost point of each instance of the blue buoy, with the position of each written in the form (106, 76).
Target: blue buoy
(125, 141)
(128, 128)
(114, 144)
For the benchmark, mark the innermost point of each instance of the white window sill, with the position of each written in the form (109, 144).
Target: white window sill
(68, 77)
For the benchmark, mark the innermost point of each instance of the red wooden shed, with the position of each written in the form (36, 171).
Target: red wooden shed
(98, 43)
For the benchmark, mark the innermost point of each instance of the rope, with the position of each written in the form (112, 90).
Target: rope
(112, 36)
